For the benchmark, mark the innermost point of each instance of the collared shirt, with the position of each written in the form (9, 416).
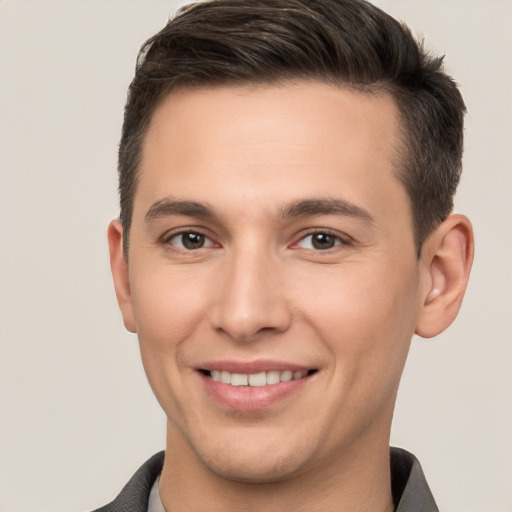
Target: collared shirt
(409, 486)
(410, 489)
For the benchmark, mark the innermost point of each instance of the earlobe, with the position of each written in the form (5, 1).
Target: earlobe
(120, 274)
(446, 260)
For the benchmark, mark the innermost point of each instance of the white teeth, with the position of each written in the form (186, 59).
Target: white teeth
(273, 377)
(239, 379)
(286, 376)
(256, 379)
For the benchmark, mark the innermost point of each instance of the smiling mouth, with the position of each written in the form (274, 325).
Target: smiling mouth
(256, 379)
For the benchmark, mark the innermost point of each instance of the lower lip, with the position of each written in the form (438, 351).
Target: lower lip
(252, 398)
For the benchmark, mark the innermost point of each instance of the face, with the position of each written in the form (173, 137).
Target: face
(272, 277)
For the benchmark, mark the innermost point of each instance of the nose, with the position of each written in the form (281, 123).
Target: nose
(251, 300)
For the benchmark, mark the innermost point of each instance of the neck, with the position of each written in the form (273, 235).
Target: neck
(356, 478)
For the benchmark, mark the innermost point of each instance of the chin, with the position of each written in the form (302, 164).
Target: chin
(265, 465)
(244, 471)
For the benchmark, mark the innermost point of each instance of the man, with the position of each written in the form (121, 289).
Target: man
(287, 172)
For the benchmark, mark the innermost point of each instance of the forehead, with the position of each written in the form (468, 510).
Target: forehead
(271, 143)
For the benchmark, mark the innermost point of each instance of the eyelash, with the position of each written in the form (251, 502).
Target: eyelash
(338, 240)
(167, 239)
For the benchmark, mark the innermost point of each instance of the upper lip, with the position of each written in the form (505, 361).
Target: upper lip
(251, 367)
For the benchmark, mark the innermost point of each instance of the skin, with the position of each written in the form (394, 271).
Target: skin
(259, 290)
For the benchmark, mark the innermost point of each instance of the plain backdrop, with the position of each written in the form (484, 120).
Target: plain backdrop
(76, 414)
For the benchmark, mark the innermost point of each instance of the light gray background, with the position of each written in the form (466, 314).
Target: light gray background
(76, 415)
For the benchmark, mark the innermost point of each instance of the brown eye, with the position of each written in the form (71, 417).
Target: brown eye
(190, 240)
(323, 241)
(319, 241)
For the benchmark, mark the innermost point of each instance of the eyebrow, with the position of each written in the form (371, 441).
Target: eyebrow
(311, 207)
(305, 208)
(165, 207)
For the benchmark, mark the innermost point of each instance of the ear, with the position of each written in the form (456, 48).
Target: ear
(119, 267)
(447, 256)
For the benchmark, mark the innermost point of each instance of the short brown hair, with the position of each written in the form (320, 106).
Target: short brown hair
(350, 43)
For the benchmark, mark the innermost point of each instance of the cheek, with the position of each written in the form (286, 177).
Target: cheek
(365, 318)
(169, 304)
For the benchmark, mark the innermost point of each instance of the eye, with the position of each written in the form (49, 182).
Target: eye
(190, 241)
(319, 241)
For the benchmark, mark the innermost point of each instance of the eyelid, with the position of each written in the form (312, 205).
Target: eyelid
(165, 239)
(342, 239)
